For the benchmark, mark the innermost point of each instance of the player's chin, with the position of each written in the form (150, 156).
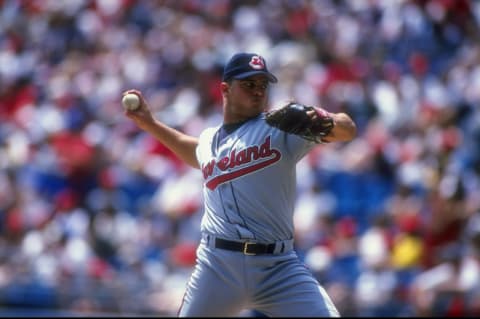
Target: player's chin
(258, 105)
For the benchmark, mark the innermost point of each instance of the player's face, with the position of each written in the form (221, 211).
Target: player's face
(247, 97)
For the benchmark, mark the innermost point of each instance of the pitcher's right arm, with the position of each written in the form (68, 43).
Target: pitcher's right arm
(181, 144)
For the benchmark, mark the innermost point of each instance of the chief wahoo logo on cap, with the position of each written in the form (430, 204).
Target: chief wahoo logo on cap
(257, 62)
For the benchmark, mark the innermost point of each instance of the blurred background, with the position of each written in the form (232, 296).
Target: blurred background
(96, 217)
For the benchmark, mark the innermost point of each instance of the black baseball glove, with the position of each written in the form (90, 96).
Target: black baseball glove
(293, 118)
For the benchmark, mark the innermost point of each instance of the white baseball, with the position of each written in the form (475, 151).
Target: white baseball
(131, 101)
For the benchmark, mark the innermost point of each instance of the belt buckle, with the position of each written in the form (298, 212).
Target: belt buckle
(245, 248)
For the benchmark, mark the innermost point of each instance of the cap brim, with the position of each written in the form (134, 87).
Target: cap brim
(270, 76)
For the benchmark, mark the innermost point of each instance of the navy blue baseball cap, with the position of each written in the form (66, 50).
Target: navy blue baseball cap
(243, 65)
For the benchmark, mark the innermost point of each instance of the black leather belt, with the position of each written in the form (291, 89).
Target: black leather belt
(248, 248)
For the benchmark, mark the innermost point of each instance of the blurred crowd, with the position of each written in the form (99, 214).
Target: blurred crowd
(98, 217)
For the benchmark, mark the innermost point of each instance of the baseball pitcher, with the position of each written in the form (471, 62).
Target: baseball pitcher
(246, 257)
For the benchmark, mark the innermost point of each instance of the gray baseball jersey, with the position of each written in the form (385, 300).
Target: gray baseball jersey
(249, 194)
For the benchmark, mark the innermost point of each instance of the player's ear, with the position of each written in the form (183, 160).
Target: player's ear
(225, 87)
